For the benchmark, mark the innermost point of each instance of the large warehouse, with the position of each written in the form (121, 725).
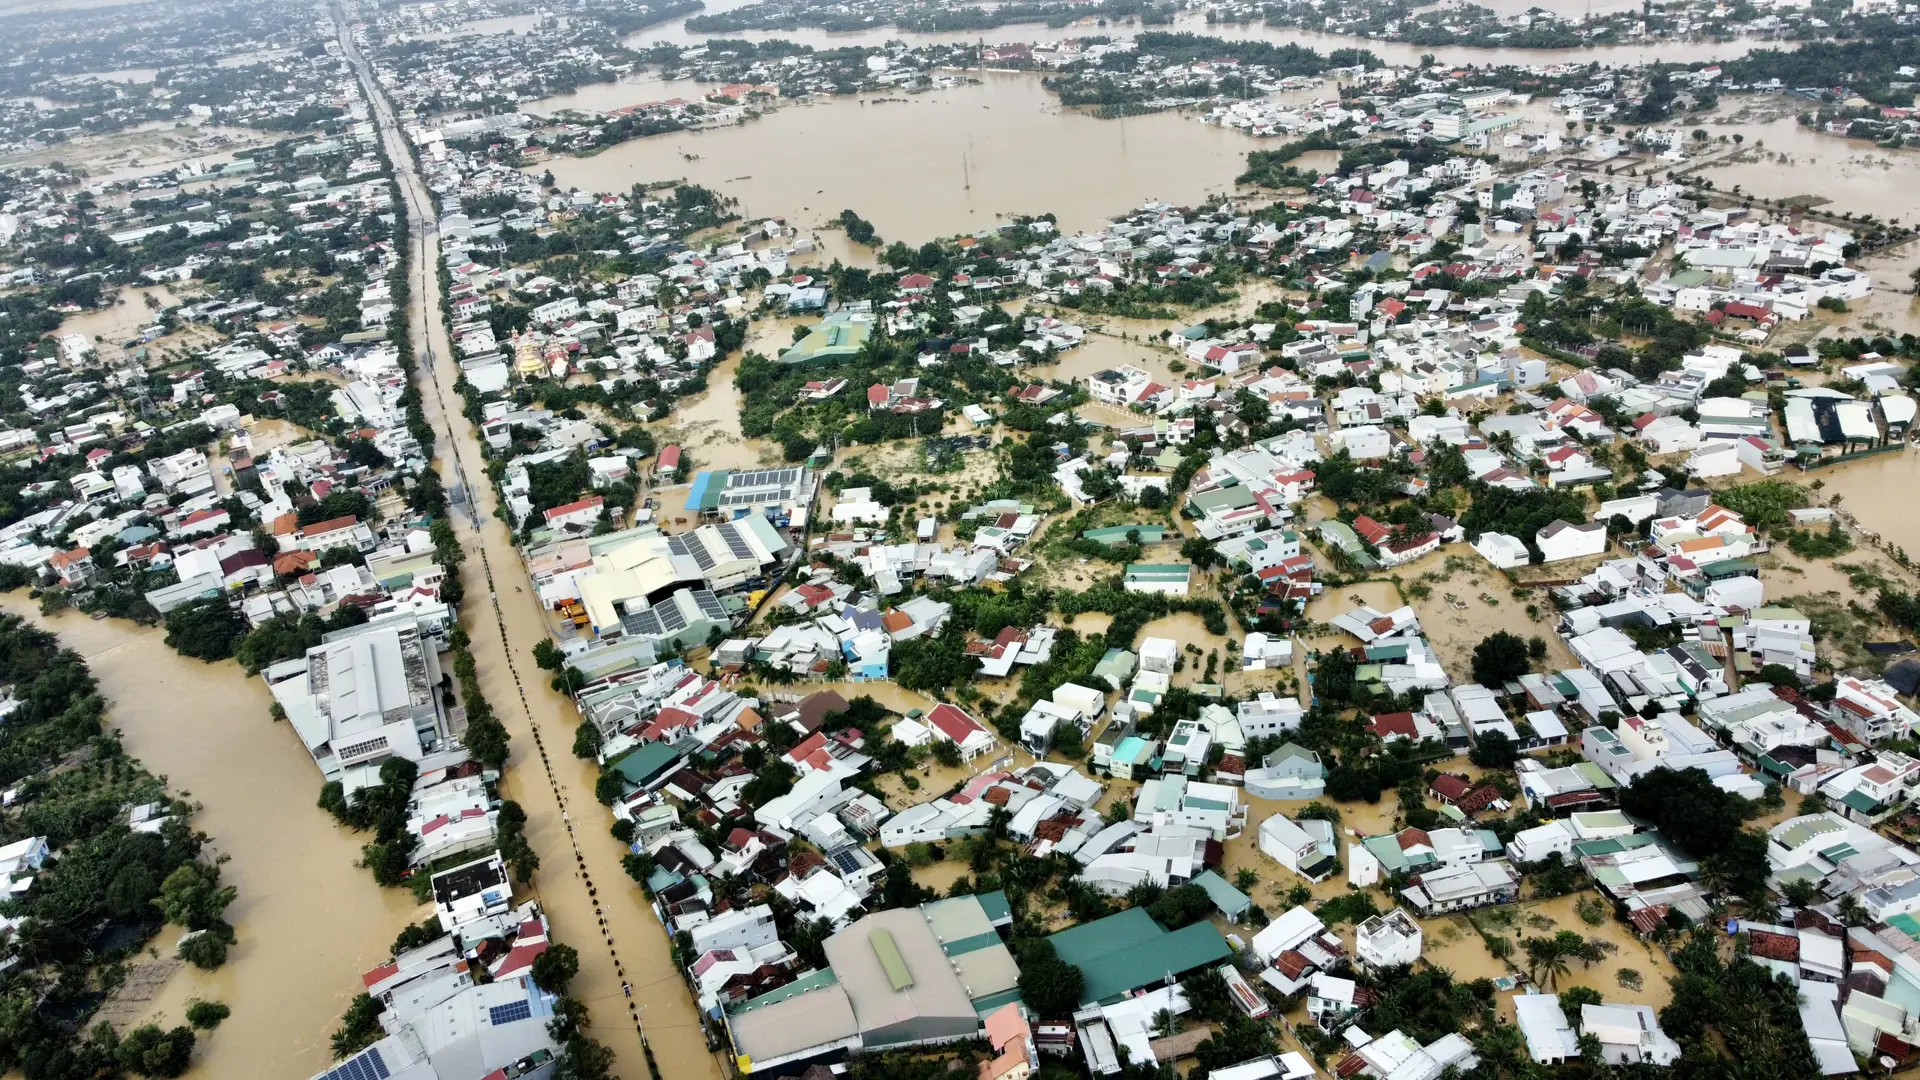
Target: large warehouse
(904, 977)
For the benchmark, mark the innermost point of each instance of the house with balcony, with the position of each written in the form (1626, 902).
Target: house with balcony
(1870, 709)
(1387, 941)
(1177, 800)
(1871, 792)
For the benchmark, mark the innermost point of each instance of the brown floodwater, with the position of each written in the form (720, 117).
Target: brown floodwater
(308, 920)
(1393, 52)
(1782, 159)
(949, 161)
(1871, 490)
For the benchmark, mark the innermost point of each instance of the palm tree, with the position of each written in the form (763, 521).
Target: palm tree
(1166, 1023)
(1207, 992)
(1851, 912)
(1546, 962)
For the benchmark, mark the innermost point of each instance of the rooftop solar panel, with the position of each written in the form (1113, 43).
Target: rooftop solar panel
(510, 1012)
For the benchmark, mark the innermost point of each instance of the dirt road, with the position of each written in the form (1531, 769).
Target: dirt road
(580, 884)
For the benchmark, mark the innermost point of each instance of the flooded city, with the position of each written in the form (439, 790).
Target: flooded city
(1245, 514)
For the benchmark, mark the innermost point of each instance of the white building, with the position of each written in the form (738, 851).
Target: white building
(1307, 848)
(367, 696)
(1503, 551)
(1563, 540)
(1387, 941)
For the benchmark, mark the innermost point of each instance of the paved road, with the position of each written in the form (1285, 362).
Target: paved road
(504, 621)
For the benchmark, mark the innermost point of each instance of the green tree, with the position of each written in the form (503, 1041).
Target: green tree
(207, 1015)
(609, 787)
(1499, 659)
(584, 1059)
(204, 629)
(207, 949)
(359, 1027)
(586, 740)
(1493, 750)
(1201, 552)
(193, 897)
(1049, 986)
(555, 968)
(151, 1052)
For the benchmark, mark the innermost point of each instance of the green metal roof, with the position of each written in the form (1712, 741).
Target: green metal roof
(1860, 801)
(994, 903)
(993, 1003)
(1125, 952)
(1595, 774)
(890, 959)
(811, 981)
(1231, 901)
(1159, 571)
(645, 762)
(836, 337)
(971, 944)
(1226, 498)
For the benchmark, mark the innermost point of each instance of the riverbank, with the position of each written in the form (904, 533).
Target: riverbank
(304, 904)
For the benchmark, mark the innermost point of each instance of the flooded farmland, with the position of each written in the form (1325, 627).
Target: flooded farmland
(1393, 52)
(933, 164)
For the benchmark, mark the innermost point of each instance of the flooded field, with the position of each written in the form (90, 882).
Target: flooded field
(1877, 491)
(1783, 159)
(1195, 22)
(955, 161)
(1481, 604)
(304, 907)
(131, 312)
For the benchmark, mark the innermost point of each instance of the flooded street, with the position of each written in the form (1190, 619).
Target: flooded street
(305, 907)
(590, 902)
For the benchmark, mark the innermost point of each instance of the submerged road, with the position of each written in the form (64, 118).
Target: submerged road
(619, 941)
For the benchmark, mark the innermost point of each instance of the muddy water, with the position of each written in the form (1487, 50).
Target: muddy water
(1790, 160)
(636, 89)
(1195, 22)
(1454, 630)
(108, 327)
(308, 920)
(1105, 350)
(1874, 491)
(708, 426)
(945, 162)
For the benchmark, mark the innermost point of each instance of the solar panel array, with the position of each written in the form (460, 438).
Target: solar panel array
(735, 542)
(700, 554)
(671, 618)
(641, 623)
(508, 1013)
(759, 485)
(845, 860)
(367, 1065)
(710, 606)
